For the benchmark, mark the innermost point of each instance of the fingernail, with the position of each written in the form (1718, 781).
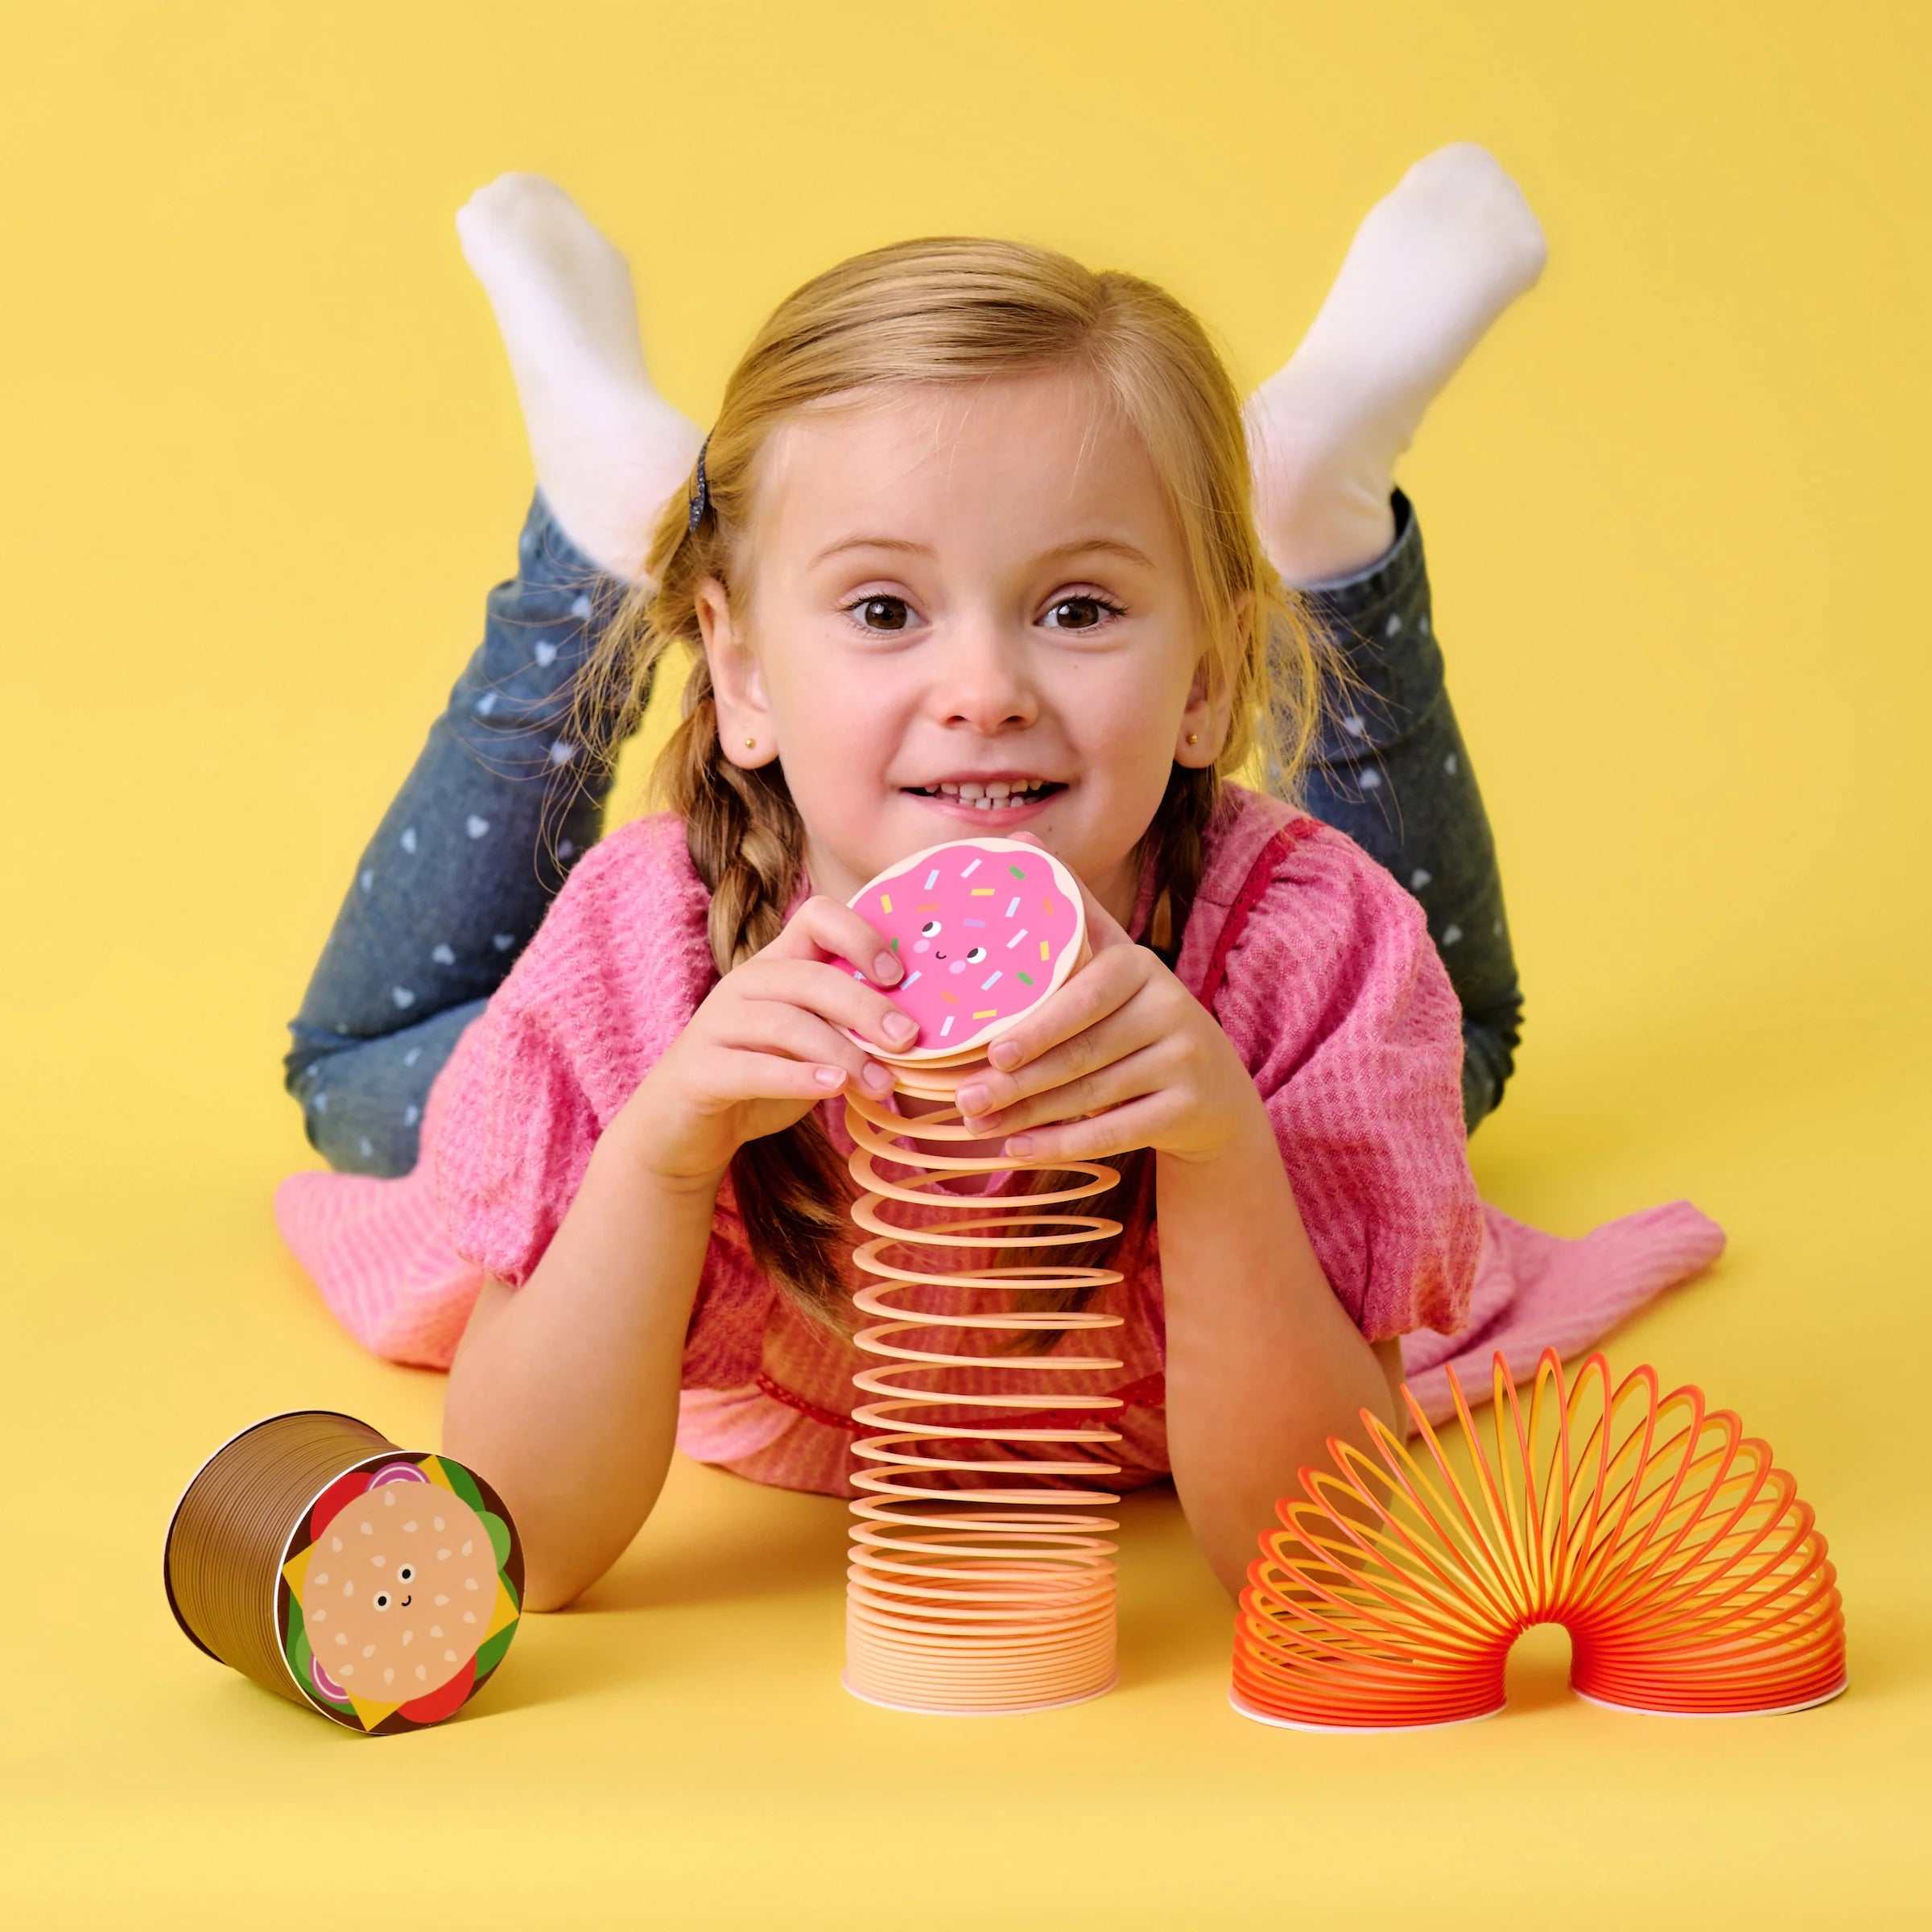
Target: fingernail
(877, 1080)
(972, 1099)
(1019, 1145)
(1005, 1055)
(829, 1077)
(885, 969)
(899, 1028)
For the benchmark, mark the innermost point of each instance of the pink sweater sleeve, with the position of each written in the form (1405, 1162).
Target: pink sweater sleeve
(521, 1132)
(614, 972)
(1340, 1007)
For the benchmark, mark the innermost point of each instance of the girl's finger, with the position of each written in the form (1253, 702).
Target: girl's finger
(816, 986)
(1100, 989)
(1128, 1078)
(779, 1030)
(987, 1095)
(827, 929)
(1120, 1130)
(736, 1076)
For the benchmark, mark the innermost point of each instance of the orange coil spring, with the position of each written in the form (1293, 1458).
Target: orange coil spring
(1690, 1576)
(979, 1580)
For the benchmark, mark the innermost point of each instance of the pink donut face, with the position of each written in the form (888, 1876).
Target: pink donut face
(985, 929)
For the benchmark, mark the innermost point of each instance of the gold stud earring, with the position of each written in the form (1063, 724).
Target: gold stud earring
(1194, 738)
(751, 743)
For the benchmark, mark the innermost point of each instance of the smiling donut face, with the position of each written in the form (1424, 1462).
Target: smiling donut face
(406, 1595)
(985, 928)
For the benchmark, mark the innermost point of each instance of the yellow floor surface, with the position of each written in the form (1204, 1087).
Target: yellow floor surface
(261, 461)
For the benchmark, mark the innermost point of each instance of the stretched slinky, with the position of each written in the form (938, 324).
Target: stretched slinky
(1690, 1577)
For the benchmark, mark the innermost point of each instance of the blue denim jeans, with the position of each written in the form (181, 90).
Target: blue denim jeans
(501, 803)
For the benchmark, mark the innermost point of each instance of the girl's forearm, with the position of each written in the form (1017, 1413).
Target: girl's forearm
(1263, 1363)
(564, 1392)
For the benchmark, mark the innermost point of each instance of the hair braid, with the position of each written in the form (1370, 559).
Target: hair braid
(747, 845)
(1179, 842)
(745, 841)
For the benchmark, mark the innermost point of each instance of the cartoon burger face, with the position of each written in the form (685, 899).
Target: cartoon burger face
(398, 1590)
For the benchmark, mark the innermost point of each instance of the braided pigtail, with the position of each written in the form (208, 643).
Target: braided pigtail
(1176, 848)
(748, 845)
(742, 830)
(746, 842)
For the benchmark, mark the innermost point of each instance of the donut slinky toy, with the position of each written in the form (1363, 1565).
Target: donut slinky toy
(1691, 1579)
(981, 1579)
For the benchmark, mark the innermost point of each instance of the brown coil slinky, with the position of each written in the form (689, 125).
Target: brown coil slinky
(225, 1541)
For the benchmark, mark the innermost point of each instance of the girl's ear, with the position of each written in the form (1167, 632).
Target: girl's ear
(737, 685)
(1210, 701)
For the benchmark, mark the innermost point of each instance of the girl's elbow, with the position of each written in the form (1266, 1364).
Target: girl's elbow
(556, 1587)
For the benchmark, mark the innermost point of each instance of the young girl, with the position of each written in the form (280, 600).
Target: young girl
(971, 545)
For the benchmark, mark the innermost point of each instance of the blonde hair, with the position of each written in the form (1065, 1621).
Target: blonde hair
(924, 313)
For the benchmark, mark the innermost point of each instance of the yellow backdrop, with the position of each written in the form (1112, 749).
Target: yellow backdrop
(262, 461)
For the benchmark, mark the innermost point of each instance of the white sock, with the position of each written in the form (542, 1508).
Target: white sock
(1431, 267)
(608, 449)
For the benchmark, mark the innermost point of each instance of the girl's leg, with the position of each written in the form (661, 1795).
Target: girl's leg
(499, 806)
(487, 825)
(1430, 269)
(1391, 770)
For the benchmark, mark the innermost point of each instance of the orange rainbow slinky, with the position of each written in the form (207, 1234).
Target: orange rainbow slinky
(1690, 1577)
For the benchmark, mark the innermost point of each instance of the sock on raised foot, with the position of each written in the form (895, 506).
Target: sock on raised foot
(608, 450)
(1433, 265)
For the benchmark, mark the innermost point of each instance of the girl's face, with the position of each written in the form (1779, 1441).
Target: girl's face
(967, 610)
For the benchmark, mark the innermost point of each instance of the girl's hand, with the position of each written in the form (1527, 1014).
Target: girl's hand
(1125, 1043)
(767, 1047)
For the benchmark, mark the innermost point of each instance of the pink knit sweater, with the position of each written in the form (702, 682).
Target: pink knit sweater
(1314, 961)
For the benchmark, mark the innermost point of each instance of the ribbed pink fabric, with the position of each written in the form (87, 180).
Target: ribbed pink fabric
(1316, 963)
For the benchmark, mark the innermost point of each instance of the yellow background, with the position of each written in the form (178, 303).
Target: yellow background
(261, 460)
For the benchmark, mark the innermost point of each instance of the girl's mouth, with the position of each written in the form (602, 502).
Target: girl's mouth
(989, 795)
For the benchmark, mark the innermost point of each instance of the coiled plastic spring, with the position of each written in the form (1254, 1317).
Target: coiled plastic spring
(1692, 1580)
(980, 1579)
(311, 1554)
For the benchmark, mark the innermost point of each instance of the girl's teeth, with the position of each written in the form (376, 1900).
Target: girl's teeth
(996, 794)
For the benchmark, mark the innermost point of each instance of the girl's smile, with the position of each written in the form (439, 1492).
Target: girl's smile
(964, 606)
(1011, 798)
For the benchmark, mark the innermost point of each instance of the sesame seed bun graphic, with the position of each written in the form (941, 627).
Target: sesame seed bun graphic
(376, 1585)
(394, 1585)
(404, 1594)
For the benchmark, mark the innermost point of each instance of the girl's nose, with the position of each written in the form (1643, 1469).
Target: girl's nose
(984, 683)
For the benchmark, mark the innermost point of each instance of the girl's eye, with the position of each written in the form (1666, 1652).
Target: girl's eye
(930, 930)
(382, 1599)
(883, 614)
(407, 1574)
(1081, 613)
(975, 955)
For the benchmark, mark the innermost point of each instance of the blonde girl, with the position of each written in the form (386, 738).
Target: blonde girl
(971, 545)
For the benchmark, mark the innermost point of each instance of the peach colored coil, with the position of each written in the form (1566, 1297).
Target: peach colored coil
(963, 1599)
(1692, 1580)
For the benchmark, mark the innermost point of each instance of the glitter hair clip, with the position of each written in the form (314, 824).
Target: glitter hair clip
(700, 491)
